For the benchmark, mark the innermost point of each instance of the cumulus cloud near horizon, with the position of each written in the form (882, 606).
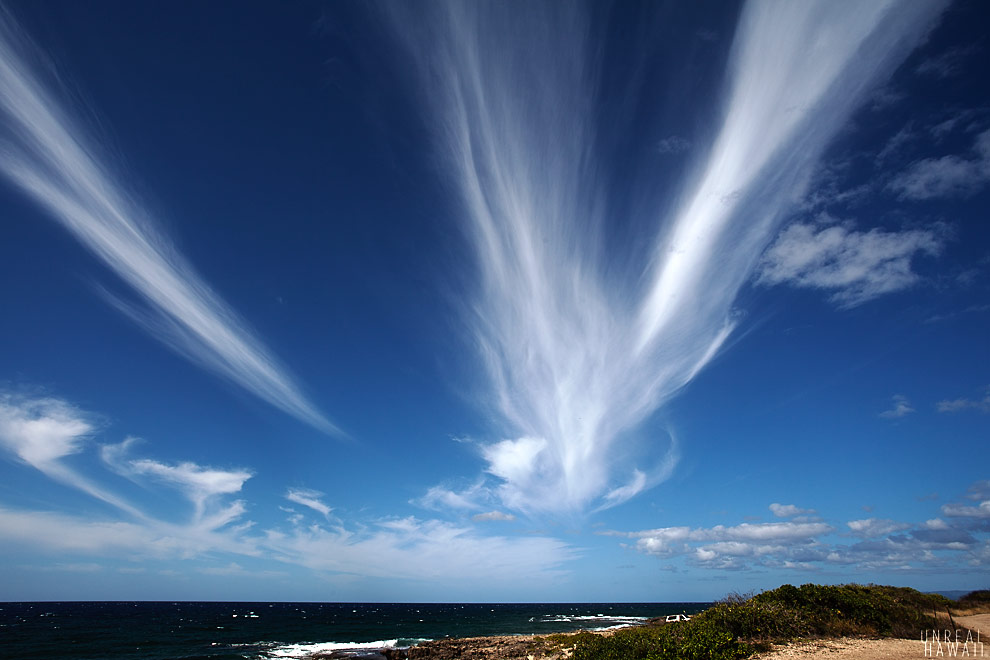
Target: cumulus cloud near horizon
(812, 545)
(582, 344)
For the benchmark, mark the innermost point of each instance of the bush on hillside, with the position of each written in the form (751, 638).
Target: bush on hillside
(734, 628)
(981, 597)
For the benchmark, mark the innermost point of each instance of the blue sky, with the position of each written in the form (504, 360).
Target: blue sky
(509, 301)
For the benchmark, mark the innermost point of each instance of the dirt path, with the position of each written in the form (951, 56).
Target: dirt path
(849, 649)
(882, 649)
(976, 622)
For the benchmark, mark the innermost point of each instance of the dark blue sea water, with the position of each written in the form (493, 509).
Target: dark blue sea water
(256, 631)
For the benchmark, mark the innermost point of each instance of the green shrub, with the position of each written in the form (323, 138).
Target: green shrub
(734, 628)
(689, 640)
(981, 597)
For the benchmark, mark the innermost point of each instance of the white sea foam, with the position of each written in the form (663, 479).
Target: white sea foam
(305, 650)
(608, 622)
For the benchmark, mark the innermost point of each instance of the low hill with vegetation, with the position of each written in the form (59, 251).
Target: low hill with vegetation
(738, 627)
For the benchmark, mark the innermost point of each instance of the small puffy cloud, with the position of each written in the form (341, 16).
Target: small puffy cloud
(935, 523)
(948, 176)
(957, 405)
(308, 498)
(493, 516)
(855, 266)
(900, 408)
(897, 143)
(440, 498)
(948, 63)
(673, 144)
(874, 527)
(886, 97)
(40, 431)
(964, 511)
(979, 490)
(789, 510)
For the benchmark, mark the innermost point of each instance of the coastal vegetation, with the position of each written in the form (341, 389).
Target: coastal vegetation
(739, 626)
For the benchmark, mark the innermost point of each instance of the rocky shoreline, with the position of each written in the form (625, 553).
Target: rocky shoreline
(496, 647)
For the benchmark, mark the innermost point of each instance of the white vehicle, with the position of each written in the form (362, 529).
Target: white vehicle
(671, 618)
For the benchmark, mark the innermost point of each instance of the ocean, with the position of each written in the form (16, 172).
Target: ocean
(262, 631)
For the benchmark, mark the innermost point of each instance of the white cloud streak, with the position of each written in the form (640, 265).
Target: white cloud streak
(42, 432)
(577, 358)
(420, 549)
(202, 486)
(308, 498)
(408, 548)
(48, 155)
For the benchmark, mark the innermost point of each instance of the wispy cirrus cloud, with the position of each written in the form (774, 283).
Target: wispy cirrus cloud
(48, 154)
(308, 498)
(42, 432)
(582, 345)
(202, 486)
